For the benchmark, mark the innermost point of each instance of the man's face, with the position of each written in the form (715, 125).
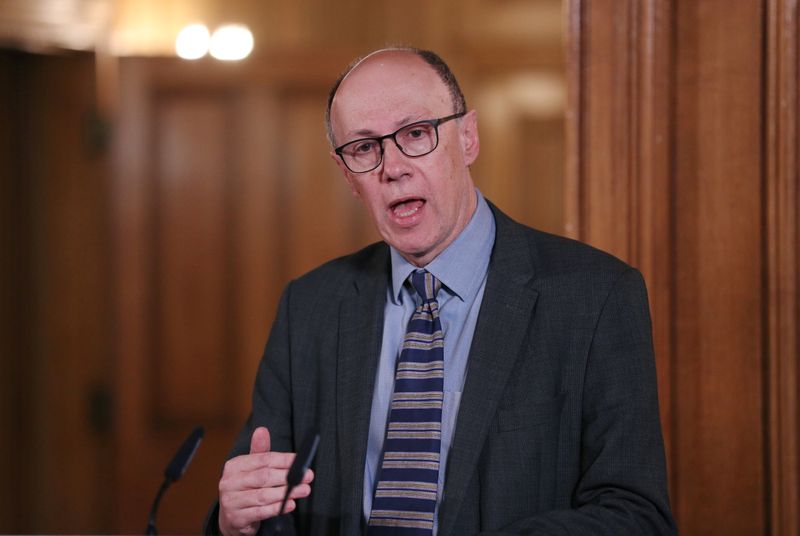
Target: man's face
(419, 205)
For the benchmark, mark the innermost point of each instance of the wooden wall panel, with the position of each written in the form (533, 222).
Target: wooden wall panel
(14, 306)
(783, 262)
(193, 284)
(718, 349)
(618, 171)
(521, 126)
(56, 274)
(219, 205)
(682, 158)
(319, 218)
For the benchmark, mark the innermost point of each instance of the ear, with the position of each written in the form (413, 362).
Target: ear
(470, 143)
(348, 176)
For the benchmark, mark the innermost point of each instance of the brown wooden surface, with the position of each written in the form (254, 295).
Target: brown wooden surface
(682, 158)
(782, 262)
(14, 313)
(57, 276)
(618, 160)
(718, 351)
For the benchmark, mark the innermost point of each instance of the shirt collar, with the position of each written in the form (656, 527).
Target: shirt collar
(462, 266)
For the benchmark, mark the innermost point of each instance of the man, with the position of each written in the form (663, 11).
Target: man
(545, 417)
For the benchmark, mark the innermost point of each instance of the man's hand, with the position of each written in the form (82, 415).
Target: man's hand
(253, 485)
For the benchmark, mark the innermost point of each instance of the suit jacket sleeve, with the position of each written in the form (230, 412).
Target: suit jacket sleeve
(622, 484)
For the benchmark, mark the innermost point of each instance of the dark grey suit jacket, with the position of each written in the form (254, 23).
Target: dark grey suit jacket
(558, 429)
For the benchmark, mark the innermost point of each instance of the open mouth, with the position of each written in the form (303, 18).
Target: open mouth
(407, 207)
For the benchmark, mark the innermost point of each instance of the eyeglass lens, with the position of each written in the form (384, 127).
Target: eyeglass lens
(417, 139)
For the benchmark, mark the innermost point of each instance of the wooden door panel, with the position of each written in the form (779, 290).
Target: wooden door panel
(192, 299)
(229, 194)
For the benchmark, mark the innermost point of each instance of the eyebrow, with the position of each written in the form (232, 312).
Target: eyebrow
(368, 133)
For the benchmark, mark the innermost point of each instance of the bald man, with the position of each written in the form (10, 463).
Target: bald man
(545, 416)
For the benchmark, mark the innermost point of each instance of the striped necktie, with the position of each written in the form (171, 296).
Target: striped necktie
(405, 497)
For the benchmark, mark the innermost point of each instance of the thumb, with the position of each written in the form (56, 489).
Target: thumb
(259, 442)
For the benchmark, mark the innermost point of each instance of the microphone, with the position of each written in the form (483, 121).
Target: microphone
(301, 463)
(174, 472)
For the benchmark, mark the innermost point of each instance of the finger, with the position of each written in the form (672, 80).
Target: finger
(260, 513)
(300, 491)
(263, 460)
(244, 520)
(238, 500)
(308, 477)
(262, 478)
(259, 441)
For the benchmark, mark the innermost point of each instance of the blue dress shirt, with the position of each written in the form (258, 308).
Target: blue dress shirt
(462, 268)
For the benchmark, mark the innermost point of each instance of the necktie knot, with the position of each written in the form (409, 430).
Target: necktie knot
(425, 284)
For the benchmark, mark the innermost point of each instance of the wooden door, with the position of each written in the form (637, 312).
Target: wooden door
(219, 203)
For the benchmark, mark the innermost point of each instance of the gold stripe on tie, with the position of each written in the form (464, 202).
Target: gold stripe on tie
(413, 435)
(402, 404)
(408, 485)
(407, 523)
(415, 426)
(433, 456)
(416, 335)
(414, 345)
(413, 365)
(406, 494)
(418, 395)
(410, 464)
(403, 514)
(415, 375)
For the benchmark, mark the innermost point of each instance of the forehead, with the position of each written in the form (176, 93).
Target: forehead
(387, 89)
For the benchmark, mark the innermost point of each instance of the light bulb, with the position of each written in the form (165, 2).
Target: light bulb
(192, 42)
(231, 42)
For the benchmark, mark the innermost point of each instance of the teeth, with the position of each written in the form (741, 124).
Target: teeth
(407, 208)
(408, 213)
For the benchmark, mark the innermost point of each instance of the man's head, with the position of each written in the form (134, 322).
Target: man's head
(419, 204)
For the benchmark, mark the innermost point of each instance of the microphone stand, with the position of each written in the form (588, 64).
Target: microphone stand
(151, 521)
(174, 471)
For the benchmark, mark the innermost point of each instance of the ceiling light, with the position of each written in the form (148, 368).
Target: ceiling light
(231, 42)
(192, 42)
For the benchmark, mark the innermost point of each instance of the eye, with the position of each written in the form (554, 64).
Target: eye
(364, 146)
(416, 132)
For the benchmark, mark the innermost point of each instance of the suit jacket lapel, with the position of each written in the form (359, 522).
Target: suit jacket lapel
(360, 333)
(503, 321)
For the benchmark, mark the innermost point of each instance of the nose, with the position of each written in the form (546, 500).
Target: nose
(396, 165)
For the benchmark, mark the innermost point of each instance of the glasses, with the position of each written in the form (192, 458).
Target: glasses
(416, 139)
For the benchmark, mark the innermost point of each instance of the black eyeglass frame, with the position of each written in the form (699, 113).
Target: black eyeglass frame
(379, 140)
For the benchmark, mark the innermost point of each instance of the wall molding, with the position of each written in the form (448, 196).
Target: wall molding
(617, 189)
(783, 266)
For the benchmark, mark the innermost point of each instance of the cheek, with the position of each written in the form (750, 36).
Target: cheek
(355, 187)
(370, 199)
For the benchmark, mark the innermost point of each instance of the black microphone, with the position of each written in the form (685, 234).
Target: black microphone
(301, 463)
(174, 472)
